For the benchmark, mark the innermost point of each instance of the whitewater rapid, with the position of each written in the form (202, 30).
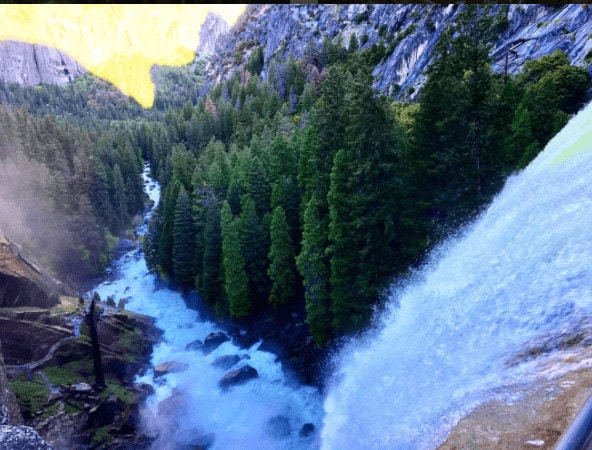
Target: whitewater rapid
(193, 409)
(444, 346)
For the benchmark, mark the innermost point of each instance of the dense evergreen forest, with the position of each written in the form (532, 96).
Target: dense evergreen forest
(311, 191)
(306, 192)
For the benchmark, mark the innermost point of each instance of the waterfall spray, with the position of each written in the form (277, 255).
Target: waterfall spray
(444, 345)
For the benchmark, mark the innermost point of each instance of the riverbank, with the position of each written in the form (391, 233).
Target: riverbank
(55, 388)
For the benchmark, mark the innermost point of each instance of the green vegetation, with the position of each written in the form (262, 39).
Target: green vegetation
(101, 436)
(114, 387)
(310, 192)
(306, 192)
(68, 373)
(72, 187)
(31, 394)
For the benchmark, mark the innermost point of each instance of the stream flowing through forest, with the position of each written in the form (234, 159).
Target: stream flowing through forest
(189, 408)
(445, 344)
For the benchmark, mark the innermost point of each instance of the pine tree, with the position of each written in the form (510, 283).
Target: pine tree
(255, 248)
(166, 209)
(211, 285)
(235, 277)
(282, 260)
(119, 197)
(183, 240)
(314, 268)
(363, 208)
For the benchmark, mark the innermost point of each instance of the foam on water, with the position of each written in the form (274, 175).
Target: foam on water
(201, 411)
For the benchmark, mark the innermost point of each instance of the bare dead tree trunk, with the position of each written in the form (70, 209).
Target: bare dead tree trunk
(94, 337)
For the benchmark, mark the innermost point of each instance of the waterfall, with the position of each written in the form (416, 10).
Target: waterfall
(189, 409)
(445, 343)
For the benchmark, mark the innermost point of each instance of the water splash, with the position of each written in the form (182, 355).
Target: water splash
(444, 344)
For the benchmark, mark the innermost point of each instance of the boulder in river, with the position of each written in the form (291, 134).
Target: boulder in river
(238, 376)
(278, 427)
(226, 361)
(213, 341)
(169, 367)
(306, 430)
(195, 345)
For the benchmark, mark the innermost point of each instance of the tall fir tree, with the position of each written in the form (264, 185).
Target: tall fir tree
(282, 265)
(183, 240)
(236, 281)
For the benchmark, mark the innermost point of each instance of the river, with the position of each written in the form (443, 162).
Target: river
(447, 343)
(267, 412)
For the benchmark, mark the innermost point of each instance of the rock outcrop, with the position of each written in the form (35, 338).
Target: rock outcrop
(169, 367)
(9, 409)
(525, 31)
(22, 282)
(212, 30)
(213, 341)
(238, 376)
(226, 361)
(29, 65)
(22, 438)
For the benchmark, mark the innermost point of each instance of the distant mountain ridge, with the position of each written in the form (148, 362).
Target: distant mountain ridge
(409, 31)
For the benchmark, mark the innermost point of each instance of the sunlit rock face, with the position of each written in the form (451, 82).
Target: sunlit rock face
(525, 32)
(213, 30)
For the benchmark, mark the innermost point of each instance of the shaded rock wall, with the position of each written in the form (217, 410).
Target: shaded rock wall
(10, 413)
(22, 282)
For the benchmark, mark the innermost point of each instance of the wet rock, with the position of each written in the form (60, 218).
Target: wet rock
(195, 345)
(306, 430)
(23, 282)
(169, 367)
(170, 406)
(213, 341)
(22, 438)
(124, 245)
(81, 388)
(226, 362)
(278, 427)
(104, 413)
(238, 376)
(243, 338)
(200, 442)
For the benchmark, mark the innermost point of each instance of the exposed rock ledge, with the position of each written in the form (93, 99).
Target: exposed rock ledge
(535, 421)
(538, 414)
(22, 282)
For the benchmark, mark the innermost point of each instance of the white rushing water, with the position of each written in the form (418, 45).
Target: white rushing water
(197, 411)
(522, 269)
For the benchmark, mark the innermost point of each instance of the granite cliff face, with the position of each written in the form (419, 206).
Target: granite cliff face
(525, 32)
(29, 65)
(213, 29)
